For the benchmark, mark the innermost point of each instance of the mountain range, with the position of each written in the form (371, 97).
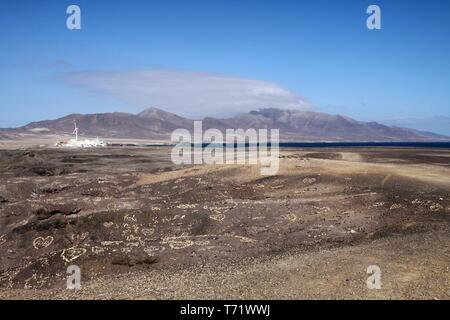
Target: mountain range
(294, 125)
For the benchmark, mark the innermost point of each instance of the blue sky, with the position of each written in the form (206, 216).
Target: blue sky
(218, 57)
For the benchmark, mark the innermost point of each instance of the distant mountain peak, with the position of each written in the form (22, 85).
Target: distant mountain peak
(154, 112)
(158, 114)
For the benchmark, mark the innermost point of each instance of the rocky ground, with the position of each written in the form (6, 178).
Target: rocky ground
(140, 227)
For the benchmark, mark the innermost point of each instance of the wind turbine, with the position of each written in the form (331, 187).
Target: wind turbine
(75, 132)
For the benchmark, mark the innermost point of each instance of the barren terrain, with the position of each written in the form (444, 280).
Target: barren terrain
(140, 227)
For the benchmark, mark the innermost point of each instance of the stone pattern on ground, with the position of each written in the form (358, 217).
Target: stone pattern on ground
(114, 211)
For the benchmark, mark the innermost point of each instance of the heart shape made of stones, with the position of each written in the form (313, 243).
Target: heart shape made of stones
(41, 242)
(73, 253)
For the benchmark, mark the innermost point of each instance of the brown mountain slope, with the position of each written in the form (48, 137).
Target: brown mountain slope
(294, 125)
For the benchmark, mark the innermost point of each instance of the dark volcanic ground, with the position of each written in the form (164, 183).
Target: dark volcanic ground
(115, 211)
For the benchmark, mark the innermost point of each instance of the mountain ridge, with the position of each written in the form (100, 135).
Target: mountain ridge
(294, 125)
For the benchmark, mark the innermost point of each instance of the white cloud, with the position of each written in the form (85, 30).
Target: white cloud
(189, 94)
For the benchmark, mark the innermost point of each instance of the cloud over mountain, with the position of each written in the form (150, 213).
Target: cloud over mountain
(190, 94)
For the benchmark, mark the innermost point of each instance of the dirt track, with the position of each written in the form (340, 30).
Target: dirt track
(141, 228)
